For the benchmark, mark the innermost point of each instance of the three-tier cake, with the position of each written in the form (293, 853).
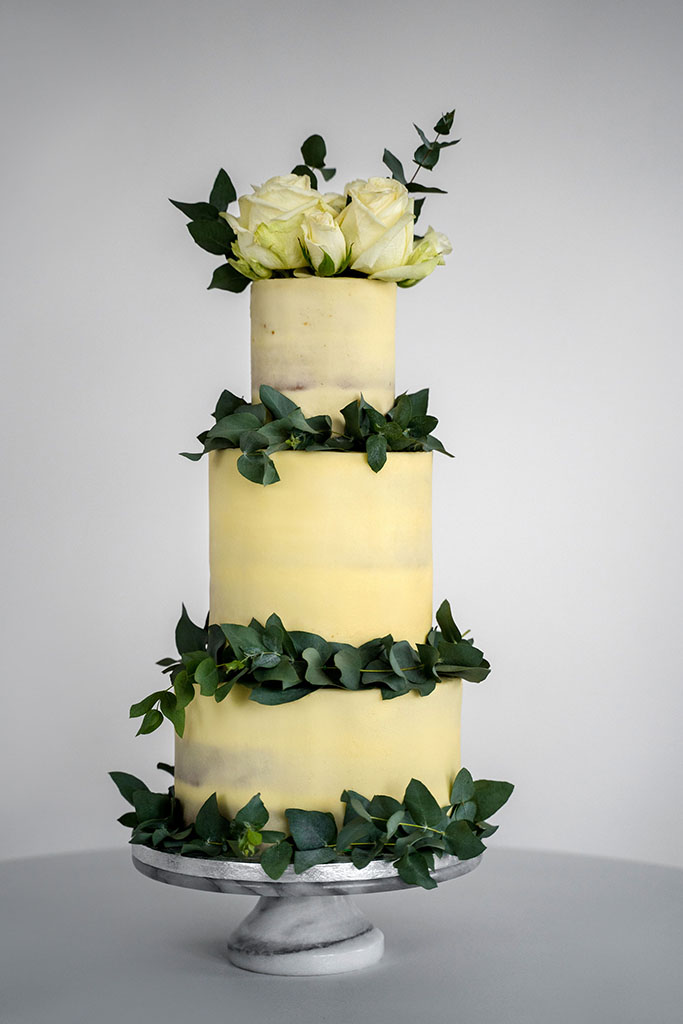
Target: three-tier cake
(334, 548)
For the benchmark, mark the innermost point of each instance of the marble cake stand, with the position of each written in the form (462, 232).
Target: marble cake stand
(302, 924)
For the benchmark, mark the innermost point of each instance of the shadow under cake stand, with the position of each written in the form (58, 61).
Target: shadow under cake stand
(302, 924)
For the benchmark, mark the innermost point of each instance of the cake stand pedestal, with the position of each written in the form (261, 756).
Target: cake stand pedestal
(302, 924)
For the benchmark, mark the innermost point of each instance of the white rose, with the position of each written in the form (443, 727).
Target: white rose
(378, 224)
(268, 228)
(334, 201)
(324, 241)
(425, 257)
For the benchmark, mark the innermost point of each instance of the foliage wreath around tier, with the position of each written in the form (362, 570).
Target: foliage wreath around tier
(277, 424)
(280, 666)
(410, 833)
(287, 228)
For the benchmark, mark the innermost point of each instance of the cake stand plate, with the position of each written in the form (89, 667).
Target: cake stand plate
(302, 924)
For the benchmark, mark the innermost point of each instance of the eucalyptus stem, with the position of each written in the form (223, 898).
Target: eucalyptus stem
(421, 165)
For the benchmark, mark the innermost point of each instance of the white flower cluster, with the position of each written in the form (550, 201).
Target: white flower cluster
(285, 225)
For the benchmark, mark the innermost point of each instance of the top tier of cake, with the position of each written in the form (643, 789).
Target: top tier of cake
(323, 341)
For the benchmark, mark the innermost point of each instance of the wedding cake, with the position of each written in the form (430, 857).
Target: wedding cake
(318, 678)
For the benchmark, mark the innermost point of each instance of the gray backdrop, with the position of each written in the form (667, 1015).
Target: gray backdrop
(551, 344)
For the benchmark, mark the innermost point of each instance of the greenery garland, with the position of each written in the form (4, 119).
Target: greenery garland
(277, 424)
(280, 666)
(410, 833)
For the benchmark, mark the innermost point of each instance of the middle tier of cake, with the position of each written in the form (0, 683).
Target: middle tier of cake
(333, 548)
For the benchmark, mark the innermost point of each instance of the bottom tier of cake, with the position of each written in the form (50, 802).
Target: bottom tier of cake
(304, 754)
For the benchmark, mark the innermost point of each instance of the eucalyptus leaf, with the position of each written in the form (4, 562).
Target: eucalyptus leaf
(226, 278)
(253, 813)
(311, 829)
(276, 859)
(188, 636)
(490, 796)
(314, 151)
(127, 784)
(223, 192)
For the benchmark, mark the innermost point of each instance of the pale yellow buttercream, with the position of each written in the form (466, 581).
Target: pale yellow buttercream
(323, 341)
(333, 548)
(305, 753)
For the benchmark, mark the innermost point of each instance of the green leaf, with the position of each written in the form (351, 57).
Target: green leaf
(395, 166)
(227, 404)
(328, 172)
(127, 784)
(258, 468)
(210, 823)
(463, 787)
(466, 811)
(356, 831)
(417, 209)
(426, 156)
(266, 695)
(206, 675)
(305, 859)
(311, 829)
(277, 404)
(303, 640)
(223, 192)
(175, 715)
(233, 426)
(143, 706)
(376, 447)
(446, 623)
(314, 151)
(284, 672)
(128, 820)
(490, 796)
(163, 767)
(393, 822)
(245, 641)
(228, 279)
(314, 671)
(462, 654)
(184, 689)
(349, 663)
(150, 722)
(188, 636)
(276, 859)
(151, 806)
(421, 805)
(196, 211)
(413, 868)
(415, 186)
(215, 236)
(462, 842)
(303, 169)
(445, 123)
(253, 813)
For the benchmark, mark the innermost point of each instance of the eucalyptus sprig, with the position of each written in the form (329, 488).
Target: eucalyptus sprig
(426, 157)
(278, 424)
(280, 666)
(411, 833)
(313, 154)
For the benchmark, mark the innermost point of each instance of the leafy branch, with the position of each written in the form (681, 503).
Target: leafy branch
(278, 424)
(313, 153)
(281, 666)
(411, 833)
(426, 157)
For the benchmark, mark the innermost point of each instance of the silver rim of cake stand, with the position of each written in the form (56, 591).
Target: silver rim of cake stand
(237, 876)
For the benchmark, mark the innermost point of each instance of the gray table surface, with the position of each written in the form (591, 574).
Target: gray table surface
(526, 938)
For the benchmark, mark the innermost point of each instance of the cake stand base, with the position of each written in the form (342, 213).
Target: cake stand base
(303, 924)
(305, 935)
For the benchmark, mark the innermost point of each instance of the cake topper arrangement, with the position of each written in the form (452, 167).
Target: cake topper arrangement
(288, 228)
